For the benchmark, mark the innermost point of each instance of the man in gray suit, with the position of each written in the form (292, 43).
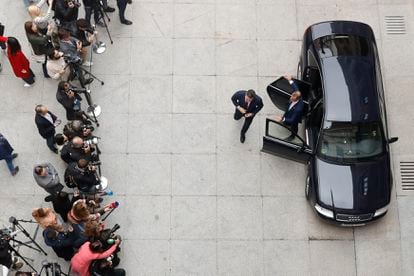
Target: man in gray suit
(47, 177)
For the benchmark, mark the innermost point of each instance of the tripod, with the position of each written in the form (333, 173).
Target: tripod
(20, 228)
(51, 269)
(104, 16)
(93, 110)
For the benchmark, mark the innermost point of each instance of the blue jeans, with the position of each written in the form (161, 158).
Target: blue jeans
(9, 161)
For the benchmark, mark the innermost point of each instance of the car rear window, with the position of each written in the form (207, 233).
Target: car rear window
(341, 45)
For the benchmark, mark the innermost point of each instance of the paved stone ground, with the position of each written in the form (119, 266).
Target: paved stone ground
(194, 201)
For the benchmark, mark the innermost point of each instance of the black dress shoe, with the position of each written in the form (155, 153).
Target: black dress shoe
(242, 138)
(14, 155)
(109, 9)
(16, 170)
(126, 22)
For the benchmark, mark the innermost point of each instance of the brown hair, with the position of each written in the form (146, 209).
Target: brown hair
(80, 210)
(38, 213)
(92, 229)
(28, 27)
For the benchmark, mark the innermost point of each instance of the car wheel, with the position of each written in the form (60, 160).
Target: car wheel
(308, 187)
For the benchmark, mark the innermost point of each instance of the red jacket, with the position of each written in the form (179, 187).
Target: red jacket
(18, 62)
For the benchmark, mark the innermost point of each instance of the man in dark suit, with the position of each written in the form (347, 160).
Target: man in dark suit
(247, 104)
(294, 112)
(46, 122)
(6, 154)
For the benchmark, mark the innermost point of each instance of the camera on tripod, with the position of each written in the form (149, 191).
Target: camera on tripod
(72, 59)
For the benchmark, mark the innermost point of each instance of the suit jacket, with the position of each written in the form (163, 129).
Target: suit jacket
(255, 106)
(293, 116)
(5, 148)
(45, 127)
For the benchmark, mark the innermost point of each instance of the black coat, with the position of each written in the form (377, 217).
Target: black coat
(45, 127)
(84, 180)
(5, 148)
(71, 154)
(62, 245)
(64, 13)
(68, 104)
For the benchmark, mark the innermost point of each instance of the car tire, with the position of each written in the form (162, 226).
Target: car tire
(308, 187)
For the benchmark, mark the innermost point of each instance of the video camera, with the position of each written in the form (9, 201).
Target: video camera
(52, 269)
(91, 141)
(71, 59)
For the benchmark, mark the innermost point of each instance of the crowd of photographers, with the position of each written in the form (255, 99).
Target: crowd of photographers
(73, 226)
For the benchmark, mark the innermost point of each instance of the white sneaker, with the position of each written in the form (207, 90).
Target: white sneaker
(27, 85)
(87, 63)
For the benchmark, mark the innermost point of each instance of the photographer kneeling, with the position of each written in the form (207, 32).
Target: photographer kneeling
(56, 66)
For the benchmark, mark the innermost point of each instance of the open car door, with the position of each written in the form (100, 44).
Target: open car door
(279, 140)
(280, 91)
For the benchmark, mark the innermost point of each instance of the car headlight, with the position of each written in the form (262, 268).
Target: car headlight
(381, 211)
(324, 212)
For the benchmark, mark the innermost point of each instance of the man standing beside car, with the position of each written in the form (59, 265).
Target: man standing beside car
(247, 104)
(294, 112)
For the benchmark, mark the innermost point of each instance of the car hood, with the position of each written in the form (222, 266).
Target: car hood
(356, 188)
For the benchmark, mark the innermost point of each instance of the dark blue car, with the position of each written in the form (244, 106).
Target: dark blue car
(345, 144)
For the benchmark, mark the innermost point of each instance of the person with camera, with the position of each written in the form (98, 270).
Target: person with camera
(66, 12)
(105, 267)
(62, 243)
(72, 48)
(67, 96)
(79, 128)
(95, 231)
(56, 66)
(47, 178)
(82, 176)
(76, 150)
(46, 123)
(89, 252)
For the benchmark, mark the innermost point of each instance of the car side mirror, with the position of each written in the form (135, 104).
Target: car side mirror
(392, 140)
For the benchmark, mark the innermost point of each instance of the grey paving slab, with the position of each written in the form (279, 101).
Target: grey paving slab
(236, 57)
(148, 174)
(230, 177)
(378, 257)
(240, 25)
(285, 218)
(283, 257)
(232, 225)
(240, 258)
(194, 174)
(195, 20)
(193, 257)
(194, 218)
(194, 94)
(326, 255)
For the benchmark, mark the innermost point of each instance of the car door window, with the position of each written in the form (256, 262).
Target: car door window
(279, 131)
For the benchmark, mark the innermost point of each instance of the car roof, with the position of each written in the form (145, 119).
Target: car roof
(340, 27)
(350, 89)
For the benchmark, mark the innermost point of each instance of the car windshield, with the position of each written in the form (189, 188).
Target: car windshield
(345, 141)
(341, 45)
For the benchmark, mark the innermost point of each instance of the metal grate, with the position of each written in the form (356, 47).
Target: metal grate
(407, 175)
(395, 25)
